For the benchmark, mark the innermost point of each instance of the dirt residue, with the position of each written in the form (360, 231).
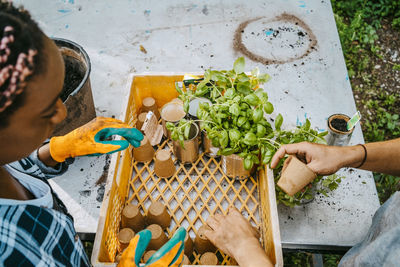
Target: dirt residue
(240, 47)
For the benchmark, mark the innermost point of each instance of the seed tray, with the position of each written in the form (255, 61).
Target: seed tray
(193, 193)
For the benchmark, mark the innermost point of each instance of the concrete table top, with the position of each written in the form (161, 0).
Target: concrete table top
(296, 42)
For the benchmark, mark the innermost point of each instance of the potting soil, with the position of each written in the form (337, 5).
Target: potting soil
(339, 124)
(74, 73)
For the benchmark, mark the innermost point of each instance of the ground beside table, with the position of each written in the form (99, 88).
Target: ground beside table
(297, 39)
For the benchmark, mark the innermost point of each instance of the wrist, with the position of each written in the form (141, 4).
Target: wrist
(44, 155)
(252, 256)
(353, 156)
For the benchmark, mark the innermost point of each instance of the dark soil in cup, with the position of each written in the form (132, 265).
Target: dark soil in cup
(74, 73)
(339, 124)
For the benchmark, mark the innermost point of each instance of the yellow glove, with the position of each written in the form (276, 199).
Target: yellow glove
(169, 255)
(90, 139)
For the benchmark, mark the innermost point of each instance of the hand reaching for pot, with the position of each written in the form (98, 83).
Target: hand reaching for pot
(235, 236)
(321, 159)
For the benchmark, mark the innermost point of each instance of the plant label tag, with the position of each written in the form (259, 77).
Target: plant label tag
(353, 121)
(152, 129)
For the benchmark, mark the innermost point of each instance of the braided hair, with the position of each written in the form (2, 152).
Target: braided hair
(21, 56)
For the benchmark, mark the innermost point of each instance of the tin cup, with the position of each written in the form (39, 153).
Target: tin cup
(233, 167)
(338, 137)
(194, 106)
(208, 147)
(189, 153)
(171, 112)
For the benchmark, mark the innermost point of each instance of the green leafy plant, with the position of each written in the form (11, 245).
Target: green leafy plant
(237, 122)
(181, 131)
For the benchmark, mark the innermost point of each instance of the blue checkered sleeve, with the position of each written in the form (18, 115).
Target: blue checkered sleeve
(35, 236)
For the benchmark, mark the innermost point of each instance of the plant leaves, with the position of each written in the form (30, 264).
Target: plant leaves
(278, 122)
(268, 107)
(239, 64)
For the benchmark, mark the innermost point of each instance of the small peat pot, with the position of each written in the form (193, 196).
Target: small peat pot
(132, 218)
(149, 104)
(338, 135)
(201, 242)
(171, 112)
(145, 152)
(295, 176)
(124, 236)
(148, 255)
(208, 258)
(208, 147)
(233, 167)
(188, 245)
(164, 165)
(185, 260)
(77, 92)
(140, 121)
(189, 153)
(158, 214)
(158, 237)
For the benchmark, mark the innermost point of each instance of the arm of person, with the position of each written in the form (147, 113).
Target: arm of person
(381, 157)
(235, 236)
(45, 156)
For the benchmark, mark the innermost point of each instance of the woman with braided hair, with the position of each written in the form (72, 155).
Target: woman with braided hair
(35, 227)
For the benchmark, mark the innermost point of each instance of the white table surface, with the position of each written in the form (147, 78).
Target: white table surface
(191, 36)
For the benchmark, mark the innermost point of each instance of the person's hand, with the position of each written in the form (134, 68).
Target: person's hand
(90, 139)
(235, 236)
(321, 159)
(169, 255)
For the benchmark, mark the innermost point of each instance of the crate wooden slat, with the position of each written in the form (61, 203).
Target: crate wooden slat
(195, 192)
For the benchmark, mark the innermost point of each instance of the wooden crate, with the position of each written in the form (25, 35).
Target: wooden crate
(191, 195)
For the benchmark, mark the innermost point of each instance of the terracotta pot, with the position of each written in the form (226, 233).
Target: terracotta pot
(208, 148)
(147, 255)
(132, 218)
(149, 104)
(158, 214)
(124, 236)
(158, 237)
(189, 153)
(336, 137)
(145, 152)
(233, 167)
(188, 245)
(208, 258)
(201, 243)
(140, 120)
(164, 166)
(171, 112)
(295, 176)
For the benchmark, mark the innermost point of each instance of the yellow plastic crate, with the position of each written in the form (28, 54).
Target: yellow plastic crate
(191, 195)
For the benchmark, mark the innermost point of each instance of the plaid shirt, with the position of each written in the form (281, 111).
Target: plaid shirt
(38, 236)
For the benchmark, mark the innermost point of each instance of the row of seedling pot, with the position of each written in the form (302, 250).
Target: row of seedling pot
(157, 220)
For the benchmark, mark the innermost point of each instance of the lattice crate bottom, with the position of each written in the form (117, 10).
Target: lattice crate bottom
(195, 192)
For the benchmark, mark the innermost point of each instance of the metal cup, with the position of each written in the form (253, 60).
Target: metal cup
(336, 137)
(189, 153)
